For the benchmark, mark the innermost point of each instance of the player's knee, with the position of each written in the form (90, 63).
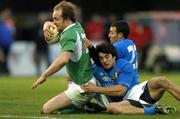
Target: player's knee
(163, 81)
(110, 108)
(46, 109)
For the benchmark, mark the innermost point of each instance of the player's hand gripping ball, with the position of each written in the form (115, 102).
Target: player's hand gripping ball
(54, 38)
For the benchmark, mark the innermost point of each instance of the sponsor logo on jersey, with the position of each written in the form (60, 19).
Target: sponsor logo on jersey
(115, 75)
(106, 78)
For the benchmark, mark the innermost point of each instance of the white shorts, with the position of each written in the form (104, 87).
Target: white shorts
(77, 94)
(136, 92)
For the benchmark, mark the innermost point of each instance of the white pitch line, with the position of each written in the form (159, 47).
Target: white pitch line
(27, 117)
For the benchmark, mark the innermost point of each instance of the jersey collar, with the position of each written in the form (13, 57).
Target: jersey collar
(68, 27)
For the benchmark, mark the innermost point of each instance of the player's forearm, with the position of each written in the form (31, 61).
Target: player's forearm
(111, 91)
(54, 67)
(117, 93)
(58, 64)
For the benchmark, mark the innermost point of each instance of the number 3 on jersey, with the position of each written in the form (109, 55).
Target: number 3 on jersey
(133, 59)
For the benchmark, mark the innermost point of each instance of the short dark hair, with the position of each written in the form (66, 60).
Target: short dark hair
(121, 26)
(68, 10)
(106, 48)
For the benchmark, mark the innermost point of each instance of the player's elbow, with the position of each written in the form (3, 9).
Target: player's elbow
(64, 57)
(64, 61)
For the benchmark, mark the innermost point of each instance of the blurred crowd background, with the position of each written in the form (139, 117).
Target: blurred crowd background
(154, 25)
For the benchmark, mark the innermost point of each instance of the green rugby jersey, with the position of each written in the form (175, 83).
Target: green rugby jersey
(79, 65)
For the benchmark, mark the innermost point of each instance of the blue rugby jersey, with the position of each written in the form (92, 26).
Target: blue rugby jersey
(126, 49)
(121, 74)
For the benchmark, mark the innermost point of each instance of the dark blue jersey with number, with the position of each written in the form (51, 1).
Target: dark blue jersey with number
(126, 49)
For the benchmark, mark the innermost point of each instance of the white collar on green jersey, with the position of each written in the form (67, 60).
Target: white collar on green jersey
(68, 27)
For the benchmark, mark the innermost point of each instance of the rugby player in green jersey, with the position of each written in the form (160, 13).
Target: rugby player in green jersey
(73, 56)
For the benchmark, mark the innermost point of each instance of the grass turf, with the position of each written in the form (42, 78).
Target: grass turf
(18, 100)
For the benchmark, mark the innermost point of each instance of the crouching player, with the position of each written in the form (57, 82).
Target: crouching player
(117, 82)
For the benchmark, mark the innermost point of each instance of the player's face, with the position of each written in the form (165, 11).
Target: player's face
(107, 60)
(113, 35)
(58, 20)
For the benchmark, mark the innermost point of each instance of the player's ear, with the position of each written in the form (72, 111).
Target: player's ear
(114, 57)
(120, 35)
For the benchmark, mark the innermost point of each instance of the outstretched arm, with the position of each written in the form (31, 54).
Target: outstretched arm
(58, 64)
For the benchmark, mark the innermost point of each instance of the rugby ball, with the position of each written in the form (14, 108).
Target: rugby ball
(55, 37)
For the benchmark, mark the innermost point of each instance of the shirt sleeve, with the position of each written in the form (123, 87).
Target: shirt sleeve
(68, 44)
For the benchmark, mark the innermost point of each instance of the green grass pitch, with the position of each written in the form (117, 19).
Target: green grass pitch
(18, 100)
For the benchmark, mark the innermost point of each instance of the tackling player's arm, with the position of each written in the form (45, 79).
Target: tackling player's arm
(58, 64)
(116, 90)
(123, 82)
(92, 51)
